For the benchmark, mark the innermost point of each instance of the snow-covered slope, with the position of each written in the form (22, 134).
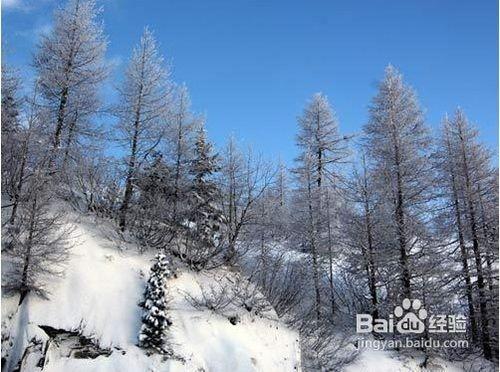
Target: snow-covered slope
(98, 298)
(371, 360)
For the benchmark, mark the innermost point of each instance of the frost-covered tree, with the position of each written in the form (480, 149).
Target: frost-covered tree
(40, 245)
(204, 237)
(453, 216)
(70, 67)
(180, 144)
(361, 225)
(20, 154)
(10, 102)
(277, 203)
(307, 223)
(144, 100)
(397, 145)
(232, 185)
(244, 179)
(11, 133)
(322, 151)
(153, 210)
(468, 167)
(90, 176)
(163, 181)
(155, 319)
(319, 138)
(82, 134)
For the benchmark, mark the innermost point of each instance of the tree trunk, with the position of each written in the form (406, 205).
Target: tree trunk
(20, 181)
(133, 151)
(69, 140)
(177, 167)
(463, 252)
(370, 264)
(61, 113)
(27, 256)
(128, 182)
(401, 231)
(485, 336)
(465, 264)
(312, 242)
(24, 158)
(488, 239)
(330, 255)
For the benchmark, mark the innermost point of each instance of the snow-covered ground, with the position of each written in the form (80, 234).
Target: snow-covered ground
(98, 296)
(371, 360)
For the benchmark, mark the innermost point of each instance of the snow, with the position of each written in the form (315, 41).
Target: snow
(133, 360)
(371, 360)
(255, 344)
(99, 295)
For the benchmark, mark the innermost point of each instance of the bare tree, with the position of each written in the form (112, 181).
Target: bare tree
(322, 152)
(397, 143)
(144, 100)
(473, 168)
(12, 140)
(82, 134)
(181, 143)
(244, 180)
(281, 278)
(307, 222)
(360, 226)
(448, 178)
(92, 174)
(22, 156)
(70, 66)
(41, 246)
(11, 126)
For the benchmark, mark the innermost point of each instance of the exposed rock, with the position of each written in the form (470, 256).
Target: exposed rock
(72, 344)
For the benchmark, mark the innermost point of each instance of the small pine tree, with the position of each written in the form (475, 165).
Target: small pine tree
(155, 320)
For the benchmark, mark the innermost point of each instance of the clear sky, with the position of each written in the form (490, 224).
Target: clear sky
(251, 65)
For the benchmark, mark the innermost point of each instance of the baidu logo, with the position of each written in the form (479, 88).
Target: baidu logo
(411, 317)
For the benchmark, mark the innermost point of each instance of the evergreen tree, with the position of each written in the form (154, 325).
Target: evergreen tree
(205, 216)
(155, 320)
(152, 212)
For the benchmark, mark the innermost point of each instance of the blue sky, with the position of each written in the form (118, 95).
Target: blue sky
(251, 65)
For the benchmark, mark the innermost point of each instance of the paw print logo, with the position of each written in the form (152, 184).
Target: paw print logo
(412, 315)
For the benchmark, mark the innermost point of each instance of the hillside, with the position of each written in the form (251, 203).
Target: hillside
(91, 321)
